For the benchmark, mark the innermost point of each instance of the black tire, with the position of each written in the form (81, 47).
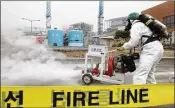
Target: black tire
(87, 79)
(171, 80)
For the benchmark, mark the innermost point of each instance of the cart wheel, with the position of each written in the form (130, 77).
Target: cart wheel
(87, 79)
(171, 79)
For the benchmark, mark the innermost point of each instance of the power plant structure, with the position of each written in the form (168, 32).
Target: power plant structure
(86, 29)
(100, 23)
(48, 15)
(100, 17)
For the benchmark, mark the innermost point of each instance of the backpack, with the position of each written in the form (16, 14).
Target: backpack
(159, 30)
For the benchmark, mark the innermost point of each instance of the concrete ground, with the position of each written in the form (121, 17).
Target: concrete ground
(164, 70)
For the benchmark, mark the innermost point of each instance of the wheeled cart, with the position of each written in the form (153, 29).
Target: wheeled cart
(105, 69)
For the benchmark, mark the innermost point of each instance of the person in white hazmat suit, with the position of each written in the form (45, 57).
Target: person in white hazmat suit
(150, 55)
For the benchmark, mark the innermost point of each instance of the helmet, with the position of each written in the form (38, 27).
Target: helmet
(133, 16)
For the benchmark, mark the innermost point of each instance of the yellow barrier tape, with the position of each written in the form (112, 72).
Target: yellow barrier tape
(88, 96)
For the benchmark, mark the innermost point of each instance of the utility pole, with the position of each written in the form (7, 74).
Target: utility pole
(30, 22)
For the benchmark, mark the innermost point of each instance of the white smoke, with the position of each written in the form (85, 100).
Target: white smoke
(24, 62)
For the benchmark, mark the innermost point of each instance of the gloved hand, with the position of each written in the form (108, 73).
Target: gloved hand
(121, 49)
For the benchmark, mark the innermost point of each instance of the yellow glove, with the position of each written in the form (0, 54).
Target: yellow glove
(121, 49)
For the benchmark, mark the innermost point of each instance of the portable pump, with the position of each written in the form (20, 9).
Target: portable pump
(108, 66)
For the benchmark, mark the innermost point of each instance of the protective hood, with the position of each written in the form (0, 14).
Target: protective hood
(134, 21)
(129, 24)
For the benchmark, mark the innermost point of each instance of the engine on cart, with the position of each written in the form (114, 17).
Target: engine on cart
(124, 63)
(118, 64)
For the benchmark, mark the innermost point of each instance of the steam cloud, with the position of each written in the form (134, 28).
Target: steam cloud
(24, 62)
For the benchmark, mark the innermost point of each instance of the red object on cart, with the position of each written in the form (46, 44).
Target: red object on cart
(95, 72)
(110, 70)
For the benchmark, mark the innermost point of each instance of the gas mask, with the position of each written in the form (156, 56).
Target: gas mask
(128, 25)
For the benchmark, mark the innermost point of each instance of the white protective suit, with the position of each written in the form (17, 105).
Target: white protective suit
(150, 54)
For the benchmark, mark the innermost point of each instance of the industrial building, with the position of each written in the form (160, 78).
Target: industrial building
(116, 23)
(86, 28)
(164, 13)
(87, 31)
(111, 26)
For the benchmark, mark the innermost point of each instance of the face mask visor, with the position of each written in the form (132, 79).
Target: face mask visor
(128, 25)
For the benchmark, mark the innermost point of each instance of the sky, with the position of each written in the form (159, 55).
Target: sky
(65, 13)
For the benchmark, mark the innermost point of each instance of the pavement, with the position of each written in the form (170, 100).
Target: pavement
(164, 70)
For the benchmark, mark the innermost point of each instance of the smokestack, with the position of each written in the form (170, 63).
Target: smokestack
(100, 18)
(48, 15)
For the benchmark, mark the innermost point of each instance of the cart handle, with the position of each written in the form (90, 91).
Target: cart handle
(112, 51)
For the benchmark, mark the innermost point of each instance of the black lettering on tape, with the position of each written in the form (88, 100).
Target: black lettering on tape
(82, 99)
(55, 98)
(91, 98)
(142, 95)
(111, 99)
(6, 97)
(118, 94)
(62, 103)
(68, 98)
(79, 103)
(134, 97)
(123, 97)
